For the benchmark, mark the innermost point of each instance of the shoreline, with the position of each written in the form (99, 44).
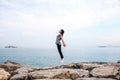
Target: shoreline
(75, 71)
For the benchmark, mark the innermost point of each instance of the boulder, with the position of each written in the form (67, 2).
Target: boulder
(51, 79)
(10, 66)
(118, 61)
(79, 79)
(91, 66)
(4, 75)
(11, 62)
(20, 77)
(95, 79)
(59, 74)
(26, 69)
(68, 66)
(84, 65)
(22, 73)
(105, 72)
(75, 71)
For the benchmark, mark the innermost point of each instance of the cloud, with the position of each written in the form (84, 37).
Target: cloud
(53, 13)
(1, 34)
(29, 33)
(43, 16)
(112, 38)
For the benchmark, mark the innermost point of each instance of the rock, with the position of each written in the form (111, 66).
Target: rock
(95, 79)
(4, 75)
(84, 65)
(91, 66)
(22, 73)
(105, 72)
(80, 79)
(118, 73)
(59, 74)
(68, 66)
(20, 77)
(72, 66)
(51, 79)
(11, 62)
(118, 61)
(26, 69)
(75, 71)
(10, 66)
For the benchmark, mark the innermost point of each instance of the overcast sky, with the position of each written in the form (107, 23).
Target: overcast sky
(35, 23)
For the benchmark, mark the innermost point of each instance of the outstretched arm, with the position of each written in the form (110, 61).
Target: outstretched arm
(62, 41)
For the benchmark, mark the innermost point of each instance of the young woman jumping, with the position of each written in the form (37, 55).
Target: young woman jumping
(58, 43)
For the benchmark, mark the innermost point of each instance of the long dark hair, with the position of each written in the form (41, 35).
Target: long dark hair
(62, 32)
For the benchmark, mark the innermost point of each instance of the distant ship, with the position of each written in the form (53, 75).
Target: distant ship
(10, 46)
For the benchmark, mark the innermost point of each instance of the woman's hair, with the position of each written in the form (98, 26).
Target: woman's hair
(62, 32)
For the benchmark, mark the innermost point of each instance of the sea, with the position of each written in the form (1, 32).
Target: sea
(50, 57)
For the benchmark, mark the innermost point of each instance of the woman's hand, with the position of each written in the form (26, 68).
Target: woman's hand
(64, 45)
(62, 41)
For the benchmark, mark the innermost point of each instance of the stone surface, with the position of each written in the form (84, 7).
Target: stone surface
(95, 79)
(4, 75)
(105, 72)
(59, 74)
(20, 77)
(10, 66)
(84, 65)
(79, 79)
(118, 61)
(74, 71)
(51, 79)
(26, 69)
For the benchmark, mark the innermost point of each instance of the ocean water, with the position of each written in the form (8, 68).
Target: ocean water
(50, 57)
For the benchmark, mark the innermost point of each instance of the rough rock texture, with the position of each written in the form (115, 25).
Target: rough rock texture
(19, 77)
(22, 73)
(105, 72)
(75, 71)
(59, 74)
(51, 79)
(4, 75)
(26, 69)
(10, 66)
(95, 79)
(118, 61)
(79, 79)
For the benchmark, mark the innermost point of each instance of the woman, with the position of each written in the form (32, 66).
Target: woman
(58, 43)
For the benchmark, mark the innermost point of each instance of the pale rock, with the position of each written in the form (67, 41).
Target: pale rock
(4, 75)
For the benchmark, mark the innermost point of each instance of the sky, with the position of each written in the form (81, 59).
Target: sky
(35, 23)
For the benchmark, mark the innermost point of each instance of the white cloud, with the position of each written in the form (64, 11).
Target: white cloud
(1, 34)
(73, 13)
(43, 17)
(112, 38)
(29, 33)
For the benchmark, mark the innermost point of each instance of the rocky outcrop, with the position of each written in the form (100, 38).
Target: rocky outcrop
(59, 74)
(95, 79)
(75, 71)
(4, 75)
(106, 72)
(10, 66)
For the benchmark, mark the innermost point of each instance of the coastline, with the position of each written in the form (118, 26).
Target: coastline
(75, 71)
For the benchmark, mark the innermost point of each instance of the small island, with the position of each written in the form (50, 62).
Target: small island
(10, 46)
(102, 46)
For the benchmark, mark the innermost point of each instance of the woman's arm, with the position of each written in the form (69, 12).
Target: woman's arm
(62, 40)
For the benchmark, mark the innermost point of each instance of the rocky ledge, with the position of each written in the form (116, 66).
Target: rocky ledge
(76, 71)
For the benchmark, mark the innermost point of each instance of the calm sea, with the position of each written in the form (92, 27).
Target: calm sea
(50, 57)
